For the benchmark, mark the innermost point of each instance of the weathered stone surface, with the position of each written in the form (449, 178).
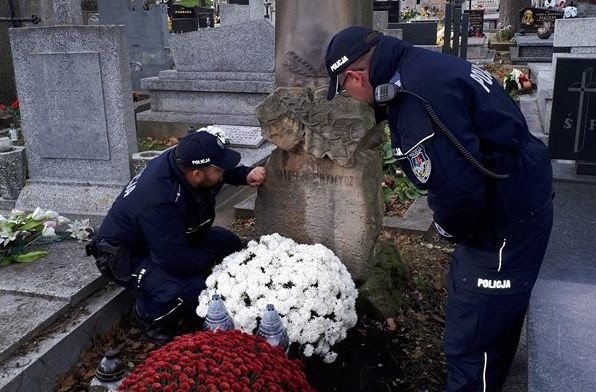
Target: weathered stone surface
(141, 159)
(249, 47)
(575, 33)
(233, 14)
(54, 12)
(313, 200)
(12, 172)
(301, 119)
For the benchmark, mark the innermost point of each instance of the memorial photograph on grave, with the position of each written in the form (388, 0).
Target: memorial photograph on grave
(573, 119)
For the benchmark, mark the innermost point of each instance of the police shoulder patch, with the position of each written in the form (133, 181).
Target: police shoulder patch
(420, 162)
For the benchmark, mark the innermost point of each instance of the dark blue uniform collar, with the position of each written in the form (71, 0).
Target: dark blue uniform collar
(386, 59)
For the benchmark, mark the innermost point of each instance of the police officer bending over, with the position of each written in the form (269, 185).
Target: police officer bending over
(489, 181)
(158, 237)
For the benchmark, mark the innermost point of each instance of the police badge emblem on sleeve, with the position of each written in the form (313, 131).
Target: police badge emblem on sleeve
(421, 165)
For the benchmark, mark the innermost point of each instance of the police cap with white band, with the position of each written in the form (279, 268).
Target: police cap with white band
(346, 47)
(201, 149)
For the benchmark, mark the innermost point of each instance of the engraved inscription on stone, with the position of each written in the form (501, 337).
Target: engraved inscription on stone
(241, 136)
(69, 100)
(314, 177)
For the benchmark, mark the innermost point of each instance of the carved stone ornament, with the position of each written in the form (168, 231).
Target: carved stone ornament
(301, 119)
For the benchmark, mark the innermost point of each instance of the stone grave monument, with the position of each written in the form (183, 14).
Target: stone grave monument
(146, 35)
(221, 76)
(77, 116)
(574, 38)
(239, 13)
(323, 183)
(533, 47)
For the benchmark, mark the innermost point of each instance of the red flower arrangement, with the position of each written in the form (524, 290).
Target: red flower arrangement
(217, 361)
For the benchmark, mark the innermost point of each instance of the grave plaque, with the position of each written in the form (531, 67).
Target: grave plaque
(184, 19)
(531, 18)
(573, 119)
(63, 81)
(242, 136)
(475, 23)
(392, 7)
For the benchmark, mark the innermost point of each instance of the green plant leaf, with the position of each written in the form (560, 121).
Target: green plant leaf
(31, 226)
(30, 256)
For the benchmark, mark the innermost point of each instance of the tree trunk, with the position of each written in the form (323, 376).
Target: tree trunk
(509, 12)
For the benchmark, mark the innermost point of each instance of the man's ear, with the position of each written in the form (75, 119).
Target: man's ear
(198, 175)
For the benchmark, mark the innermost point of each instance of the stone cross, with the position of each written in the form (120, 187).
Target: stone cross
(323, 183)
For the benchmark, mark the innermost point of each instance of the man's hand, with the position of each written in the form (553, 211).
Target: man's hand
(256, 177)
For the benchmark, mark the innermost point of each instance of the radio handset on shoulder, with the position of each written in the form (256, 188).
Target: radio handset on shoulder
(387, 92)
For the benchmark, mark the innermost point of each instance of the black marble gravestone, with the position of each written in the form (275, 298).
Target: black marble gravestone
(531, 18)
(573, 119)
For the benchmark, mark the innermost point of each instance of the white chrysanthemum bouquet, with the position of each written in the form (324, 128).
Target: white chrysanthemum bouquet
(308, 285)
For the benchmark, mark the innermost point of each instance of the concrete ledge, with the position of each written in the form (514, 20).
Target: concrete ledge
(196, 118)
(36, 368)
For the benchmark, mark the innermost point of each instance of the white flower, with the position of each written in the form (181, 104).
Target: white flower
(51, 214)
(80, 230)
(48, 229)
(308, 285)
(218, 132)
(570, 12)
(38, 214)
(62, 220)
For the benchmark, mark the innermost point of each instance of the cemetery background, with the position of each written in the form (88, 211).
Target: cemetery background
(416, 335)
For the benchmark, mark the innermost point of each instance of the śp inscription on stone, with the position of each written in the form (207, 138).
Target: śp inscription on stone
(573, 118)
(63, 80)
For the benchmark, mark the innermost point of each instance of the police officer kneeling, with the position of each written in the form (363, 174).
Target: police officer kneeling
(158, 237)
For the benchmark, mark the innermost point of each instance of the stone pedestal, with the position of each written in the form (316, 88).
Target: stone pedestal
(323, 183)
(12, 172)
(221, 76)
(530, 48)
(316, 201)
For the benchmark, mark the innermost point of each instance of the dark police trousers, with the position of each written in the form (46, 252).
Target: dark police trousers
(488, 295)
(161, 295)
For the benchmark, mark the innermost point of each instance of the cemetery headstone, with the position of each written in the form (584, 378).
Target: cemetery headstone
(211, 85)
(391, 7)
(475, 22)
(184, 19)
(531, 18)
(418, 33)
(77, 116)
(573, 117)
(324, 176)
(146, 35)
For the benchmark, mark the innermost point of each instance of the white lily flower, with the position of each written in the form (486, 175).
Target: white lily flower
(62, 220)
(38, 214)
(48, 230)
(51, 214)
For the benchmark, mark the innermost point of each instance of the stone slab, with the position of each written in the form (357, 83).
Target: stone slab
(197, 118)
(65, 274)
(575, 32)
(241, 136)
(561, 340)
(250, 47)
(13, 167)
(69, 199)
(233, 14)
(417, 219)
(55, 352)
(156, 85)
(221, 76)
(566, 171)
(23, 315)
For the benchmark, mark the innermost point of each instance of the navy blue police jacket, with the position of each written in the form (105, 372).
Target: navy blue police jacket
(468, 206)
(158, 215)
